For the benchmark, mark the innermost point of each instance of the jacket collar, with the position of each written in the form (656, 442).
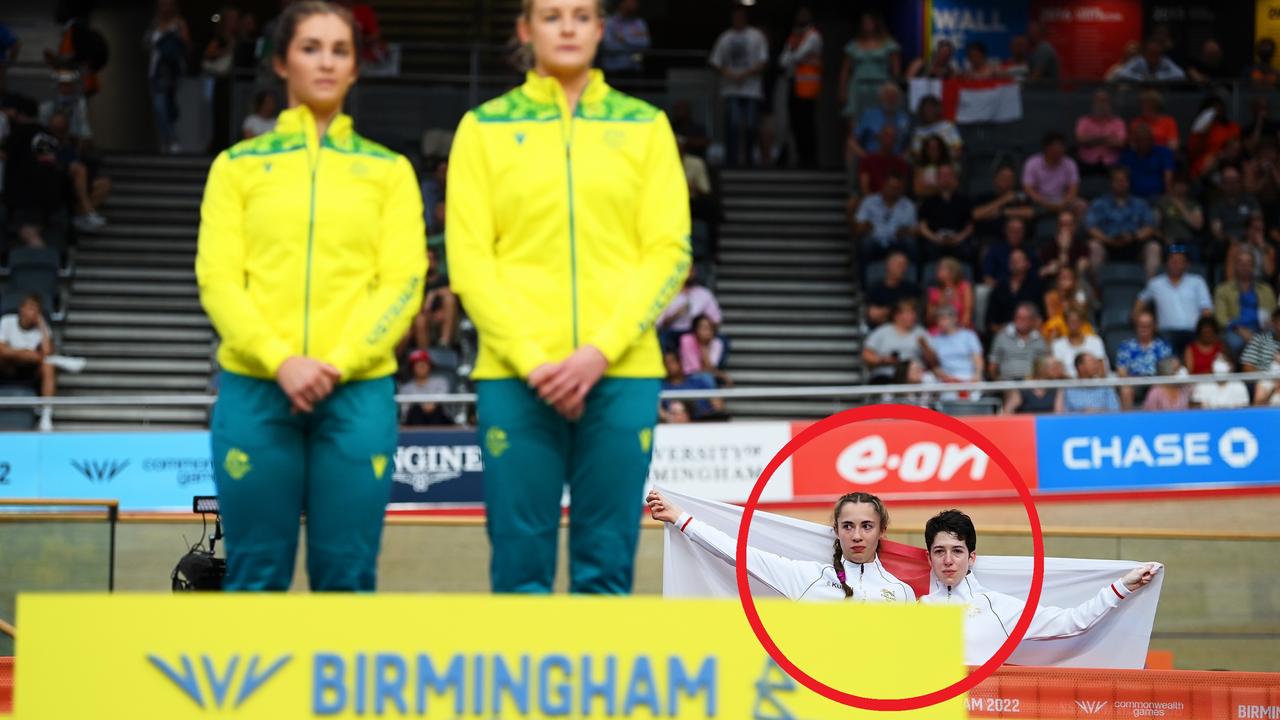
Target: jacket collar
(964, 591)
(852, 568)
(547, 89)
(299, 119)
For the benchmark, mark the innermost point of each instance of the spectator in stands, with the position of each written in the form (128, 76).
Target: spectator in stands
(802, 60)
(1037, 401)
(1067, 293)
(33, 184)
(996, 260)
(89, 190)
(1140, 356)
(884, 295)
(1018, 346)
(1231, 212)
(168, 40)
(1168, 397)
(1050, 177)
(1242, 304)
(1263, 249)
(10, 46)
(1221, 394)
(1180, 298)
(1180, 218)
(25, 344)
(675, 411)
(1069, 248)
(1262, 74)
(934, 155)
(81, 48)
(1212, 130)
(1132, 49)
(1262, 125)
(1263, 349)
(691, 137)
(1020, 287)
(702, 350)
(1017, 65)
(946, 220)
(1264, 392)
(219, 56)
(1209, 65)
(1164, 130)
(930, 123)
(958, 349)
(1005, 201)
(1151, 66)
(886, 221)
(950, 290)
(424, 382)
(626, 38)
(882, 162)
(872, 61)
(1078, 339)
(701, 408)
(866, 138)
(436, 324)
(1121, 227)
(433, 195)
(1150, 166)
(373, 49)
(263, 118)
(1100, 136)
(977, 62)
(891, 348)
(1043, 66)
(940, 65)
(740, 55)
(694, 300)
(1088, 366)
(68, 101)
(1205, 348)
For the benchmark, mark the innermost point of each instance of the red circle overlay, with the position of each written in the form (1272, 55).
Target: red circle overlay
(928, 417)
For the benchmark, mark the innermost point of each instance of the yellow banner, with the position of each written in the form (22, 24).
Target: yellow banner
(461, 656)
(1267, 20)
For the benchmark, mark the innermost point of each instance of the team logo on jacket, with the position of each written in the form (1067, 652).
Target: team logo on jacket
(379, 463)
(614, 138)
(646, 439)
(519, 138)
(888, 594)
(237, 463)
(496, 441)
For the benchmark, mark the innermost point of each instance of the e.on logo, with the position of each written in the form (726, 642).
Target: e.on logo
(868, 461)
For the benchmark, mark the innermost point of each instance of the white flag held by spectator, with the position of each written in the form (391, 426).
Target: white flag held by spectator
(971, 101)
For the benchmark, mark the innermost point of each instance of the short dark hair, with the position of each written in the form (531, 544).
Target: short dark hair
(1081, 359)
(295, 13)
(976, 45)
(1052, 137)
(1120, 170)
(905, 304)
(954, 522)
(34, 298)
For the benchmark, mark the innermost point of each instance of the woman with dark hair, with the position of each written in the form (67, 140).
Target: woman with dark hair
(702, 350)
(930, 122)
(934, 154)
(941, 63)
(1205, 348)
(263, 118)
(859, 521)
(872, 58)
(310, 266)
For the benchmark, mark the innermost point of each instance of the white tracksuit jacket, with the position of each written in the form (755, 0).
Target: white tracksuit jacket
(801, 579)
(991, 615)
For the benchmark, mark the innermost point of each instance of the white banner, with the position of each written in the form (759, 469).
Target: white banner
(721, 461)
(1119, 640)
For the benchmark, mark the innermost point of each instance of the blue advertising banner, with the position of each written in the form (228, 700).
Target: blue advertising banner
(144, 471)
(991, 22)
(20, 465)
(438, 467)
(1201, 448)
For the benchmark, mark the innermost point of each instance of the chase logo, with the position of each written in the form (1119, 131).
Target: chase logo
(220, 680)
(100, 471)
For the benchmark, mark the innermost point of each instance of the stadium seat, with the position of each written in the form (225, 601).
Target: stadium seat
(1112, 339)
(1116, 316)
(32, 271)
(876, 270)
(1121, 273)
(1199, 268)
(1122, 294)
(981, 406)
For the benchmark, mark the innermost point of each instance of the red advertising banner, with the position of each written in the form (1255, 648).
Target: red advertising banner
(1090, 35)
(910, 459)
(1053, 693)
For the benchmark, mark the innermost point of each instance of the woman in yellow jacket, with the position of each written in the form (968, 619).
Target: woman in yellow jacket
(310, 265)
(567, 234)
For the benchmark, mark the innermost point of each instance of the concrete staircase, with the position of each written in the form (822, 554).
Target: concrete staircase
(134, 311)
(455, 22)
(784, 283)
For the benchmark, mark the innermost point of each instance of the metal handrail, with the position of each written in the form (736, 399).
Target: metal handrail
(755, 393)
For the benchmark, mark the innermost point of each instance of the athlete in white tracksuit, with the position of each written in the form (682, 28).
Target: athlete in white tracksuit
(990, 615)
(860, 521)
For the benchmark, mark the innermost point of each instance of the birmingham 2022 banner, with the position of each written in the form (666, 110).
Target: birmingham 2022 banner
(438, 469)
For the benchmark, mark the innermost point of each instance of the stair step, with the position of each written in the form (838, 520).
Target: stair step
(149, 175)
(188, 218)
(142, 365)
(832, 273)
(137, 187)
(158, 335)
(117, 287)
(783, 256)
(137, 273)
(158, 162)
(782, 242)
(138, 383)
(151, 202)
(799, 409)
(194, 351)
(793, 361)
(781, 204)
(114, 247)
(800, 302)
(782, 230)
(739, 345)
(118, 414)
(781, 177)
(151, 259)
(98, 303)
(834, 219)
(129, 320)
(836, 193)
(783, 285)
(788, 331)
(799, 316)
(135, 231)
(796, 377)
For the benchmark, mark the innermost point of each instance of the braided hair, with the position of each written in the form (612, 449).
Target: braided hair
(837, 557)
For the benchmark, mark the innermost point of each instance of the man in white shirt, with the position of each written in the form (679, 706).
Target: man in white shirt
(991, 616)
(740, 55)
(1180, 300)
(25, 342)
(1151, 65)
(1220, 394)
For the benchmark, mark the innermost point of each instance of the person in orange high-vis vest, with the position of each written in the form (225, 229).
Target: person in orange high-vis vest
(802, 59)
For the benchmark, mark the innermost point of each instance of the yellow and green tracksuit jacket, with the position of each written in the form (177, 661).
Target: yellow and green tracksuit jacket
(311, 246)
(566, 228)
